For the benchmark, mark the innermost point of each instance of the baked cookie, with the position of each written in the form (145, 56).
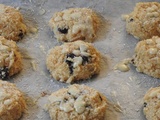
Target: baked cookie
(152, 104)
(73, 61)
(11, 23)
(144, 21)
(147, 57)
(10, 58)
(77, 102)
(75, 24)
(12, 103)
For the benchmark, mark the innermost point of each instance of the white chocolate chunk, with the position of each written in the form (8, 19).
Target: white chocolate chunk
(77, 61)
(74, 91)
(83, 48)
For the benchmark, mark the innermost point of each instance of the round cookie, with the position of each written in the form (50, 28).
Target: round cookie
(152, 104)
(147, 57)
(75, 24)
(144, 21)
(73, 61)
(11, 23)
(12, 103)
(10, 58)
(77, 102)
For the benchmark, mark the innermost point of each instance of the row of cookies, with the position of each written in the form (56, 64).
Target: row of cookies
(75, 61)
(144, 24)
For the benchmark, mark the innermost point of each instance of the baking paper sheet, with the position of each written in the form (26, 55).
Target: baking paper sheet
(123, 88)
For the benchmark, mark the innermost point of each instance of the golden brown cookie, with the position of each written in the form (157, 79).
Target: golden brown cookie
(147, 57)
(75, 24)
(12, 103)
(10, 58)
(77, 102)
(152, 104)
(73, 61)
(144, 21)
(11, 23)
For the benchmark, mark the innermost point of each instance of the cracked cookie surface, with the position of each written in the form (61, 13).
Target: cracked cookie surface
(144, 21)
(10, 58)
(77, 102)
(73, 61)
(12, 103)
(75, 24)
(11, 23)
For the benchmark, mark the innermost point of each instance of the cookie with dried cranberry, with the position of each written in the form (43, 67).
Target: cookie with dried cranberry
(144, 21)
(152, 104)
(12, 103)
(10, 58)
(11, 23)
(147, 57)
(73, 61)
(75, 24)
(77, 102)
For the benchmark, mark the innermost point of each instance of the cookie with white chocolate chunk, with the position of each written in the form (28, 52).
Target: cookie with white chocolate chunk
(12, 103)
(152, 104)
(11, 23)
(77, 102)
(147, 57)
(10, 58)
(73, 61)
(144, 21)
(75, 24)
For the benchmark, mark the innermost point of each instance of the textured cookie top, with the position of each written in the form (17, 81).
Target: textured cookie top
(10, 99)
(11, 23)
(7, 56)
(152, 103)
(144, 21)
(79, 99)
(147, 56)
(73, 61)
(75, 24)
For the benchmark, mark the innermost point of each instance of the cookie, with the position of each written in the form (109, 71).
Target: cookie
(147, 57)
(73, 61)
(10, 58)
(77, 102)
(11, 23)
(152, 104)
(144, 21)
(12, 103)
(75, 24)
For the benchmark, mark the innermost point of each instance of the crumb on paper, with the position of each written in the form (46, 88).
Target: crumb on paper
(42, 11)
(34, 65)
(33, 30)
(124, 17)
(42, 49)
(44, 93)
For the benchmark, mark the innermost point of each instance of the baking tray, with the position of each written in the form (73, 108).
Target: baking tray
(123, 88)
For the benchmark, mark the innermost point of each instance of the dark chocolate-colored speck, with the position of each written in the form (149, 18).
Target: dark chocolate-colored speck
(131, 20)
(85, 60)
(132, 61)
(88, 106)
(68, 93)
(4, 73)
(65, 100)
(21, 35)
(63, 30)
(100, 97)
(71, 55)
(70, 64)
(145, 104)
